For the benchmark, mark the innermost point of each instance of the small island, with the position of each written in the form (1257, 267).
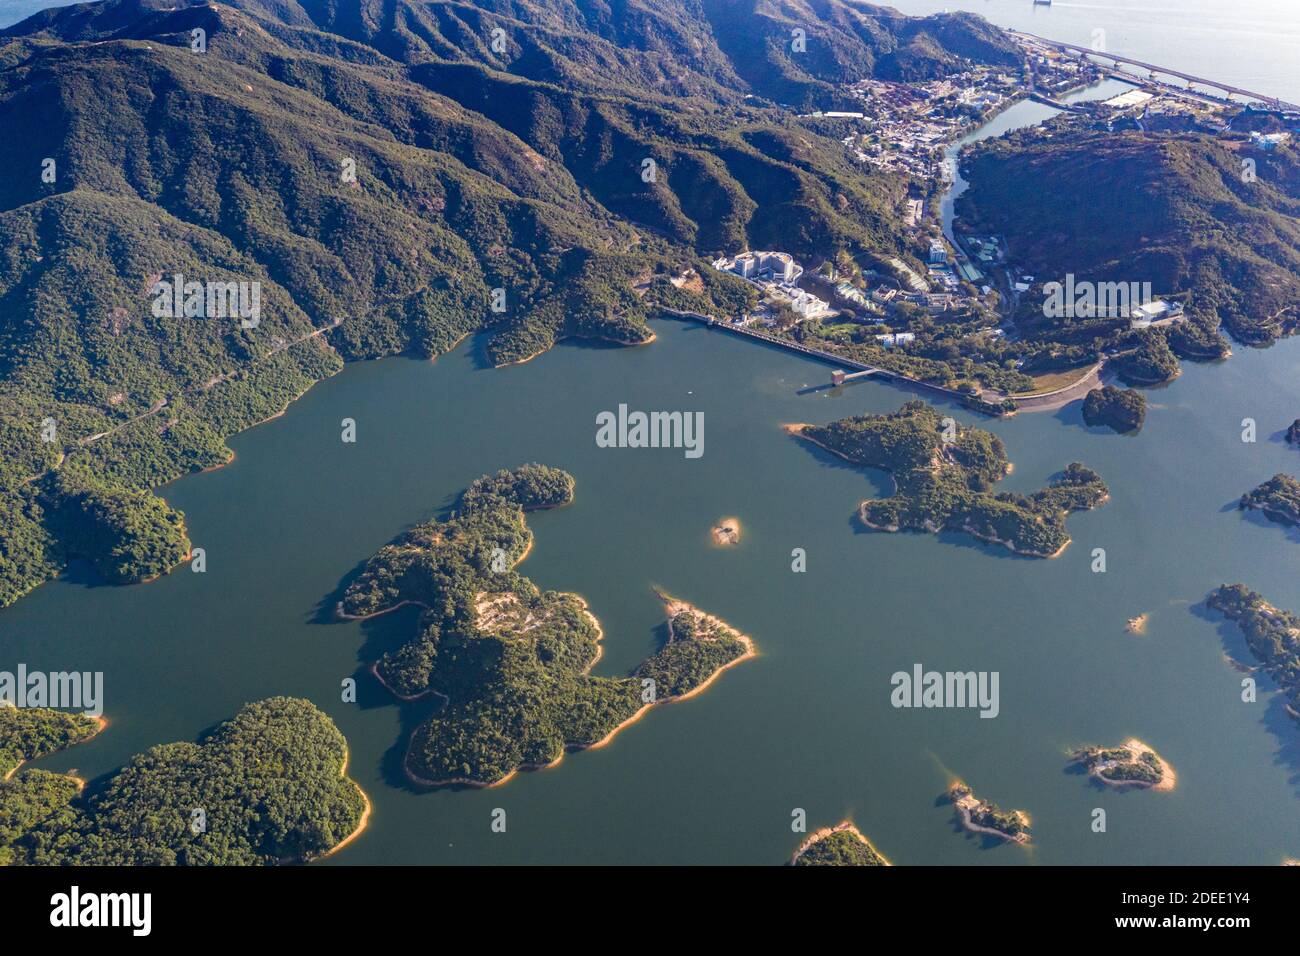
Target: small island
(726, 533)
(1138, 624)
(840, 845)
(1120, 409)
(986, 817)
(1273, 636)
(1132, 764)
(1278, 498)
(511, 663)
(944, 474)
(1293, 433)
(271, 783)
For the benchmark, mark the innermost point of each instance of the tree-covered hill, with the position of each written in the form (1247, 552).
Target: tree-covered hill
(392, 178)
(1212, 221)
(944, 474)
(510, 662)
(267, 786)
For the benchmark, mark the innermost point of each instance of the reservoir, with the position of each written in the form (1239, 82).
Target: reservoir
(808, 724)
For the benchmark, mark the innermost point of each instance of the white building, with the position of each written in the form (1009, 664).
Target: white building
(778, 267)
(896, 338)
(807, 304)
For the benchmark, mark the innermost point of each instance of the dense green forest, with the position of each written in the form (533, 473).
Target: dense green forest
(268, 785)
(1122, 409)
(1176, 209)
(510, 661)
(944, 474)
(1278, 498)
(841, 846)
(27, 733)
(1272, 634)
(394, 175)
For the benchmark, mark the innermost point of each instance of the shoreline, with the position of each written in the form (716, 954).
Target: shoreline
(1168, 778)
(101, 722)
(796, 430)
(672, 607)
(584, 338)
(844, 825)
(967, 803)
(365, 812)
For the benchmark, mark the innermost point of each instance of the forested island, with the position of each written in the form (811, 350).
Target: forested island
(1132, 764)
(1121, 409)
(29, 733)
(511, 662)
(1273, 636)
(269, 785)
(947, 484)
(986, 817)
(1278, 498)
(387, 190)
(840, 845)
(1293, 433)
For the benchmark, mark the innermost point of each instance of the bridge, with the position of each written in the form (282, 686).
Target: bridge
(1191, 79)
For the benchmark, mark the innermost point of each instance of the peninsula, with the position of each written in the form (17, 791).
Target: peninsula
(986, 817)
(840, 845)
(270, 783)
(29, 733)
(1278, 498)
(1273, 636)
(943, 475)
(510, 662)
(1132, 764)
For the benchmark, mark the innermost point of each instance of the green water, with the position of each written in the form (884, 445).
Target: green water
(807, 724)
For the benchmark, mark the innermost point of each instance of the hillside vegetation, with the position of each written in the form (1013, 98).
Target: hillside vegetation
(393, 176)
(269, 783)
(1172, 209)
(511, 662)
(944, 475)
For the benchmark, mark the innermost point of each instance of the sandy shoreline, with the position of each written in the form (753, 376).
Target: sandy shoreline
(101, 722)
(672, 607)
(726, 532)
(966, 804)
(796, 429)
(365, 812)
(818, 835)
(1168, 779)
